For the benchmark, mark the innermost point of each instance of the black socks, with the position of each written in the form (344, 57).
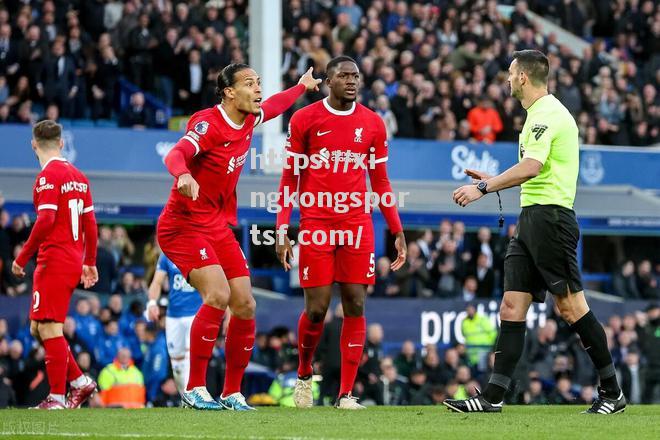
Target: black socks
(508, 349)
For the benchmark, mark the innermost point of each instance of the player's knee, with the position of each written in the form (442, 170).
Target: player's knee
(566, 312)
(316, 313)
(244, 309)
(354, 305)
(216, 297)
(509, 311)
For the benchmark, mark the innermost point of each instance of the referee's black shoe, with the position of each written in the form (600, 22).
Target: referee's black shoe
(604, 405)
(473, 404)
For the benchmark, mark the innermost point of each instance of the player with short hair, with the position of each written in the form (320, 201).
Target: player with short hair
(542, 254)
(183, 303)
(65, 236)
(194, 228)
(341, 134)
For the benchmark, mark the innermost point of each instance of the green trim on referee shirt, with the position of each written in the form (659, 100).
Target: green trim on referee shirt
(550, 135)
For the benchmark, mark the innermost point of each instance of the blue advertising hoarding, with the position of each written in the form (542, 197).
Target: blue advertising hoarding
(141, 151)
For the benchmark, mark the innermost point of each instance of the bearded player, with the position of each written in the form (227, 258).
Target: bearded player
(194, 227)
(65, 236)
(338, 132)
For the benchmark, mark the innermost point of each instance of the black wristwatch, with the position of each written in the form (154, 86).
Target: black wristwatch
(482, 186)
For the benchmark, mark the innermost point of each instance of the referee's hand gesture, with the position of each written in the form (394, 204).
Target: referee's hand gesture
(467, 194)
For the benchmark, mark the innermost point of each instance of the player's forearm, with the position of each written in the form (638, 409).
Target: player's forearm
(154, 291)
(288, 185)
(514, 176)
(41, 229)
(281, 102)
(91, 238)
(380, 184)
(177, 159)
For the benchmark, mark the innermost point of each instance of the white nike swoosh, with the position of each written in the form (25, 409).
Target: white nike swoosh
(227, 143)
(248, 349)
(207, 339)
(497, 352)
(557, 282)
(321, 133)
(369, 275)
(354, 345)
(305, 346)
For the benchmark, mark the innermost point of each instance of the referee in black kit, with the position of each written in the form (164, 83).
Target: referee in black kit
(542, 254)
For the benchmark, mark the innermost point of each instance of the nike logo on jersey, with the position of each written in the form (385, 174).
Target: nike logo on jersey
(322, 133)
(354, 345)
(370, 274)
(248, 348)
(227, 143)
(204, 338)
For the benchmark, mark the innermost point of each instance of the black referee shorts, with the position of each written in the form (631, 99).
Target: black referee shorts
(542, 255)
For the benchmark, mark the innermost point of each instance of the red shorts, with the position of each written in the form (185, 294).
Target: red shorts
(51, 294)
(192, 249)
(321, 264)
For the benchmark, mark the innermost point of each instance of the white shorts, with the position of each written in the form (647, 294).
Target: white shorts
(177, 334)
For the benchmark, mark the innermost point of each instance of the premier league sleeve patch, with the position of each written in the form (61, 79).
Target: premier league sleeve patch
(202, 127)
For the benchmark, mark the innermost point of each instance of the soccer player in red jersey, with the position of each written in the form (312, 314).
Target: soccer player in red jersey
(340, 139)
(65, 235)
(194, 227)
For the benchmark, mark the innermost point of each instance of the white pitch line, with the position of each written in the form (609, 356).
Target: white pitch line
(158, 435)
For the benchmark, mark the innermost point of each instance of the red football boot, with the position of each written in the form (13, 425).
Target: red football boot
(49, 403)
(78, 396)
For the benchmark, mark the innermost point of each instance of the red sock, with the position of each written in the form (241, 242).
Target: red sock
(238, 350)
(309, 335)
(73, 371)
(353, 333)
(203, 333)
(56, 360)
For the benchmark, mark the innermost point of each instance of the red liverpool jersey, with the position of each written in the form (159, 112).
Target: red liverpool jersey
(63, 188)
(340, 147)
(222, 148)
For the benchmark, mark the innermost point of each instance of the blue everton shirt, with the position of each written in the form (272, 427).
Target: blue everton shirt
(184, 300)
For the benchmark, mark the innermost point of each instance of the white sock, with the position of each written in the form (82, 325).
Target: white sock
(59, 397)
(80, 381)
(180, 371)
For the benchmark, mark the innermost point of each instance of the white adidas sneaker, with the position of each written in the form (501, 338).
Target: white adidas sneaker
(303, 396)
(348, 402)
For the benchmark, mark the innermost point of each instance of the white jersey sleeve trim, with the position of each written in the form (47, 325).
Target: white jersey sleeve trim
(47, 206)
(194, 142)
(88, 209)
(259, 119)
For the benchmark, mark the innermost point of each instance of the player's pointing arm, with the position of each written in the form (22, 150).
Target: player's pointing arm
(280, 102)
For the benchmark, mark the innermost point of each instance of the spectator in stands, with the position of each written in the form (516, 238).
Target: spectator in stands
(413, 277)
(391, 390)
(625, 282)
(448, 270)
(383, 110)
(485, 277)
(632, 377)
(137, 115)
(122, 383)
(103, 77)
(469, 288)
(14, 285)
(562, 393)
(408, 359)
(647, 284)
(386, 285)
(191, 83)
(141, 43)
(57, 81)
(480, 335)
(485, 122)
(155, 365)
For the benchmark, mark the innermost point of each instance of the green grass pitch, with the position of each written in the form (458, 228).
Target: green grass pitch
(523, 422)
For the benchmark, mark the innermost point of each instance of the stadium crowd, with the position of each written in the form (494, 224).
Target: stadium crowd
(432, 69)
(114, 345)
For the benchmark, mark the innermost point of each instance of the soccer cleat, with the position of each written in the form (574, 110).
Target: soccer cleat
(199, 398)
(235, 402)
(50, 403)
(302, 393)
(604, 405)
(347, 401)
(473, 404)
(78, 396)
